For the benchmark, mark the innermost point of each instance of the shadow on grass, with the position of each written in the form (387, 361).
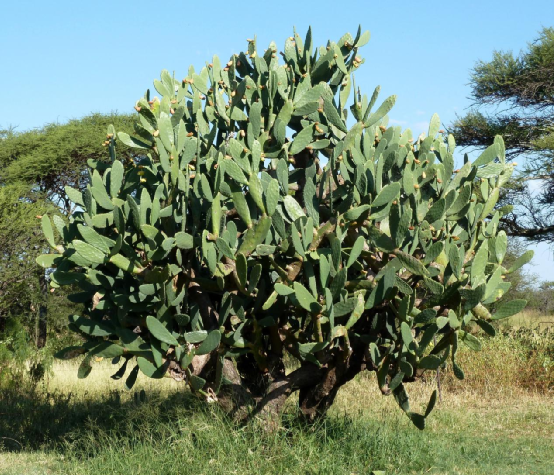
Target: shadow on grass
(125, 426)
(32, 419)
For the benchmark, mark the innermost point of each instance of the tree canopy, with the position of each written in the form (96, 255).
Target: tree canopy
(20, 243)
(513, 96)
(56, 155)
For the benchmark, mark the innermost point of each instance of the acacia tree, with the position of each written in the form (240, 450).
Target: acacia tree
(35, 166)
(255, 225)
(56, 155)
(522, 87)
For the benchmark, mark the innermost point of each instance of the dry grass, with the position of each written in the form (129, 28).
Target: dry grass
(507, 369)
(516, 413)
(29, 464)
(529, 319)
(63, 378)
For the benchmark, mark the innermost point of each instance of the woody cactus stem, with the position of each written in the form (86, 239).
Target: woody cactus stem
(228, 243)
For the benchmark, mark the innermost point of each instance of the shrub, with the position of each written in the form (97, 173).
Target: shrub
(254, 223)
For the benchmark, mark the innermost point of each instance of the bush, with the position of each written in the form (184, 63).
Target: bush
(228, 244)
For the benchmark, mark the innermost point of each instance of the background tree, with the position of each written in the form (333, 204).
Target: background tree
(514, 97)
(50, 158)
(20, 243)
(35, 167)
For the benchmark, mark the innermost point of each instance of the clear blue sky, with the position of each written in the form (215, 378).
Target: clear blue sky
(65, 59)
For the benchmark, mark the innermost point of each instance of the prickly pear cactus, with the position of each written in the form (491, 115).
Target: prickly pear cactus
(254, 222)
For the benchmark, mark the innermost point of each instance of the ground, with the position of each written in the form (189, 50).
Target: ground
(500, 420)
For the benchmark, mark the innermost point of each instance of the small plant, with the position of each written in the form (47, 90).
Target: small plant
(254, 223)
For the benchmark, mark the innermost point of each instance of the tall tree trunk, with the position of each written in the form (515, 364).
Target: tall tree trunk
(42, 324)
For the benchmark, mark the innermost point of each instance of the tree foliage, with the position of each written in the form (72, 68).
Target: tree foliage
(514, 97)
(20, 243)
(253, 226)
(56, 155)
(35, 166)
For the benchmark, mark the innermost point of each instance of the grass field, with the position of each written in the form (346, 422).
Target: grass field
(500, 420)
(529, 319)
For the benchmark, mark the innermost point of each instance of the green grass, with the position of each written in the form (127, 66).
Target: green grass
(174, 435)
(93, 426)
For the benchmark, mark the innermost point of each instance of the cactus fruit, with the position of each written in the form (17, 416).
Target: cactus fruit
(227, 239)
